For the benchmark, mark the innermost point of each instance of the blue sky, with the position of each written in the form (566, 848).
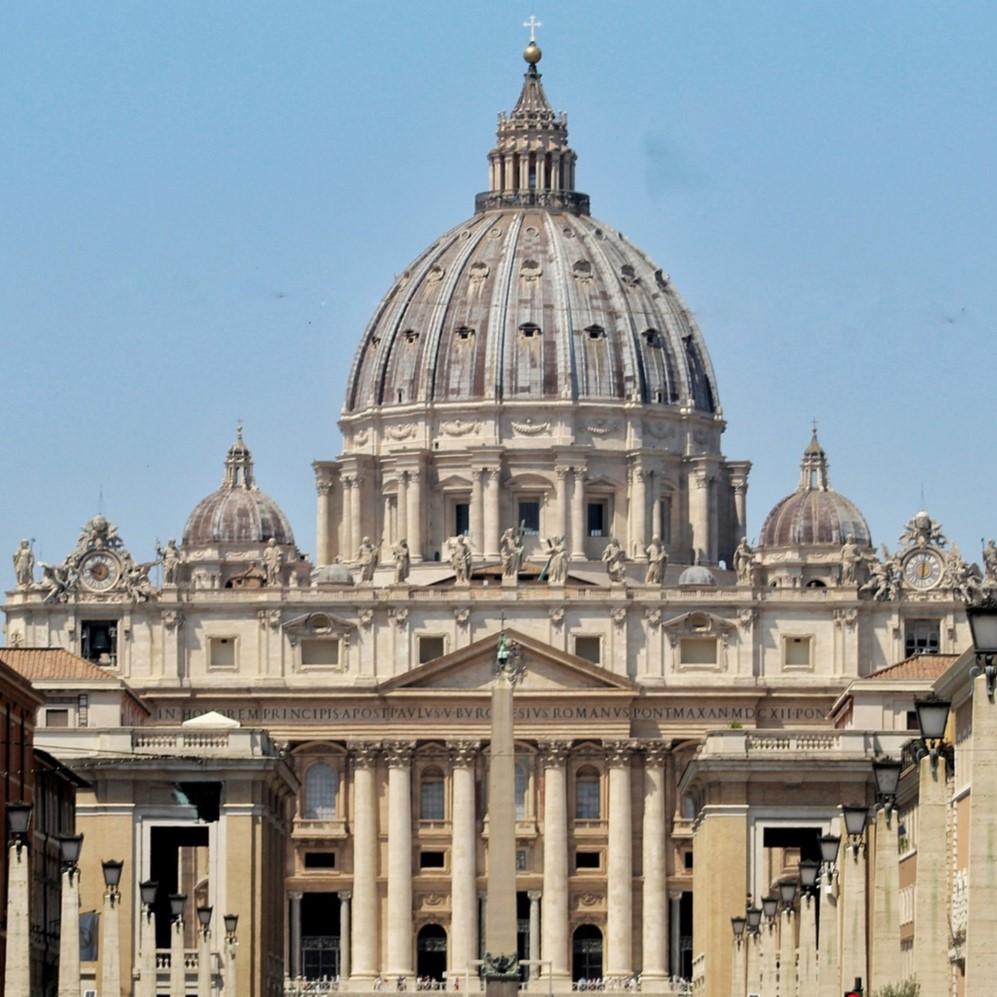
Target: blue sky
(202, 204)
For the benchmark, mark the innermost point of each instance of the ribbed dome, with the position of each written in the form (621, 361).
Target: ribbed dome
(814, 513)
(531, 298)
(238, 512)
(697, 575)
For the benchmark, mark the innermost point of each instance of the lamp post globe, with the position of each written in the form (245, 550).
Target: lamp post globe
(932, 717)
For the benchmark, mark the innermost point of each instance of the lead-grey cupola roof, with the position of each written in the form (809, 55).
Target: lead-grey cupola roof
(531, 298)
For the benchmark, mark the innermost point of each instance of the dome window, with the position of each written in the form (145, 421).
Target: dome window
(411, 336)
(465, 334)
(652, 338)
(529, 331)
(629, 275)
(582, 270)
(595, 332)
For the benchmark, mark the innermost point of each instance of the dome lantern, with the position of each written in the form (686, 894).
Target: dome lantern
(532, 163)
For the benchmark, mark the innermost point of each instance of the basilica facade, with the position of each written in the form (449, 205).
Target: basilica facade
(532, 444)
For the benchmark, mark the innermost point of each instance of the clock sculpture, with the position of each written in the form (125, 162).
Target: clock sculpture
(925, 564)
(99, 567)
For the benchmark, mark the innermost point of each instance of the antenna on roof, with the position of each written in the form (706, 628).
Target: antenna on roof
(100, 500)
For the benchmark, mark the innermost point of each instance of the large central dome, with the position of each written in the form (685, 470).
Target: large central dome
(531, 298)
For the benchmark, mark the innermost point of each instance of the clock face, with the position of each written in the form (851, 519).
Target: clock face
(99, 571)
(923, 569)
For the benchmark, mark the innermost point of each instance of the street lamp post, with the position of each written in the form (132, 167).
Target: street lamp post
(204, 952)
(147, 940)
(69, 922)
(854, 892)
(769, 952)
(828, 942)
(931, 928)
(806, 963)
(981, 953)
(884, 955)
(110, 947)
(738, 968)
(753, 915)
(231, 946)
(178, 969)
(17, 970)
(787, 940)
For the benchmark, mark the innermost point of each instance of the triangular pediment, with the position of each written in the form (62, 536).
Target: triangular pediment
(547, 669)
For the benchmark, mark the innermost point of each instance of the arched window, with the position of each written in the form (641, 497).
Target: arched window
(587, 794)
(521, 783)
(321, 783)
(431, 801)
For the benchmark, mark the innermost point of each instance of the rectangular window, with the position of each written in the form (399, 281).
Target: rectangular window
(698, 651)
(461, 518)
(589, 648)
(796, 652)
(221, 652)
(432, 860)
(587, 798)
(430, 648)
(596, 519)
(431, 802)
(320, 653)
(921, 637)
(320, 860)
(665, 521)
(687, 860)
(529, 516)
(587, 860)
(522, 860)
(56, 717)
(99, 641)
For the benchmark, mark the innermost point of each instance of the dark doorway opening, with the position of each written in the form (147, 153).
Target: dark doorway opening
(179, 863)
(586, 953)
(431, 952)
(320, 959)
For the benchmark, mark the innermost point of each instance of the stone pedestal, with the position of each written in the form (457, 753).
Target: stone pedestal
(110, 946)
(203, 963)
(981, 952)
(787, 955)
(931, 926)
(737, 968)
(884, 955)
(754, 960)
(828, 952)
(501, 986)
(178, 971)
(69, 935)
(17, 969)
(854, 948)
(806, 952)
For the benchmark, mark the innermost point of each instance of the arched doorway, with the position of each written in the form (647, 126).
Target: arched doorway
(586, 953)
(431, 952)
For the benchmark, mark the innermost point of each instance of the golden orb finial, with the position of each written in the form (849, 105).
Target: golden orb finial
(532, 53)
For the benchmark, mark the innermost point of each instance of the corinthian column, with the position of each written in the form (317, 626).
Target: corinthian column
(356, 515)
(364, 940)
(344, 934)
(491, 513)
(477, 511)
(655, 895)
(463, 888)
(399, 924)
(554, 920)
(638, 511)
(350, 542)
(414, 517)
(563, 474)
(699, 513)
(323, 520)
(619, 882)
(578, 514)
(401, 508)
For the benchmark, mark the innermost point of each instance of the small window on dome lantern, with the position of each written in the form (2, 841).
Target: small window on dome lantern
(529, 330)
(464, 333)
(595, 332)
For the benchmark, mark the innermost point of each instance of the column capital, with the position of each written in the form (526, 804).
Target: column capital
(364, 753)
(562, 472)
(655, 752)
(323, 487)
(618, 753)
(492, 472)
(295, 896)
(534, 895)
(554, 753)
(675, 895)
(345, 895)
(463, 753)
(398, 754)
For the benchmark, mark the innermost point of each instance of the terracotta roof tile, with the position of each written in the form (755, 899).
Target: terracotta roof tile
(923, 667)
(53, 664)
